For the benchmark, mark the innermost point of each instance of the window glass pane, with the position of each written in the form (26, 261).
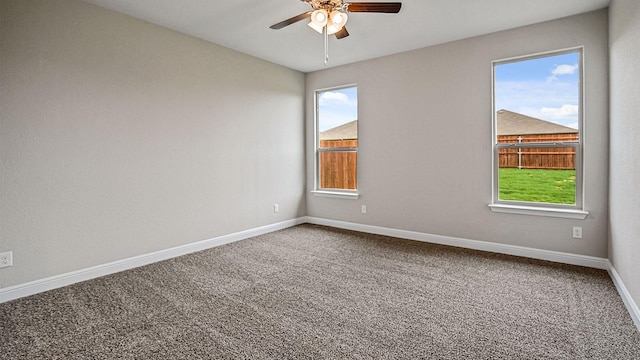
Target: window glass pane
(336, 108)
(539, 96)
(539, 185)
(338, 170)
(537, 101)
(337, 127)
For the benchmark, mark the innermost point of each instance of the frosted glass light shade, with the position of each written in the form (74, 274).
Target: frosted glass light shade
(319, 17)
(332, 28)
(338, 18)
(315, 27)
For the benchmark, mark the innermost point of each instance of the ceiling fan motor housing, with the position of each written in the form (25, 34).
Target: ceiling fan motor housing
(328, 5)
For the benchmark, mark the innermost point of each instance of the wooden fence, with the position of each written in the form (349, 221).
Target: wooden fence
(338, 168)
(538, 158)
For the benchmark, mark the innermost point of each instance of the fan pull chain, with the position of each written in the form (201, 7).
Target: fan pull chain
(326, 45)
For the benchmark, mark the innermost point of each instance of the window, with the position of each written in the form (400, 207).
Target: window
(537, 134)
(337, 142)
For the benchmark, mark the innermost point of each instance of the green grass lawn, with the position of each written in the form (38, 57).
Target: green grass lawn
(533, 185)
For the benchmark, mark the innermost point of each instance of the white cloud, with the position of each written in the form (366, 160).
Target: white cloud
(566, 111)
(333, 97)
(564, 69)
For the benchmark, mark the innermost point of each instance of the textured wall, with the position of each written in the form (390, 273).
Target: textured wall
(624, 176)
(425, 138)
(120, 138)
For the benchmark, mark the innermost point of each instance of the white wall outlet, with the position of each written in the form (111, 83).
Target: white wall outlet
(276, 208)
(6, 259)
(363, 209)
(577, 232)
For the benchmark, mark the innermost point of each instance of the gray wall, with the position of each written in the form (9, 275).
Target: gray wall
(624, 171)
(425, 139)
(120, 138)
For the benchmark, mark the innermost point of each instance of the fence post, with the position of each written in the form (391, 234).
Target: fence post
(519, 153)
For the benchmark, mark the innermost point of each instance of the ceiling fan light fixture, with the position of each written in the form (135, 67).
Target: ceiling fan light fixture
(338, 18)
(319, 17)
(329, 17)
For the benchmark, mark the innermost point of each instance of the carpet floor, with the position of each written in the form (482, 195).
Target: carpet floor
(312, 292)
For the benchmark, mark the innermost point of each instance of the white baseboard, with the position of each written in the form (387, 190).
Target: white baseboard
(555, 256)
(631, 305)
(50, 283)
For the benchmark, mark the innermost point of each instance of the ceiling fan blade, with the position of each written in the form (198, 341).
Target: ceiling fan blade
(377, 7)
(343, 33)
(290, 21)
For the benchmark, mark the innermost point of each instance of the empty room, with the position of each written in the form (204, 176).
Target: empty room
(321, 179)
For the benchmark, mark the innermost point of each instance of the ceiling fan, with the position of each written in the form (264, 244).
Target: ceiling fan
(329, 17)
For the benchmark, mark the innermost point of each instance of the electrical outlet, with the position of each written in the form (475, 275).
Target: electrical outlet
(276, 208)
(363, 209)
(577, 232)
(6, 259)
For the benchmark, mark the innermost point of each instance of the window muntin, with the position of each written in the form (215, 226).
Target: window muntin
(337, 139)
(537, 127)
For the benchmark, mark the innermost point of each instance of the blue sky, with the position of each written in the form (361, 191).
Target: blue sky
(545, 88)
(337, 107)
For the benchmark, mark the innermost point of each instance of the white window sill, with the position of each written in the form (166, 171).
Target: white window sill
(351, 195)
(539, 211)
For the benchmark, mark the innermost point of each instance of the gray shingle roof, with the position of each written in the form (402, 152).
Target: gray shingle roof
(342, 132)
(511, 123)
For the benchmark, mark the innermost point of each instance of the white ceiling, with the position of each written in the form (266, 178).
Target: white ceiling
(243, 25)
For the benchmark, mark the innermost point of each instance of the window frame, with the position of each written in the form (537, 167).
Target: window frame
(353, 194)
(575, 211)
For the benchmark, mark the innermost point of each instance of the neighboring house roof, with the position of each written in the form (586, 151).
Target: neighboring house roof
(342, 132)
(511, 123)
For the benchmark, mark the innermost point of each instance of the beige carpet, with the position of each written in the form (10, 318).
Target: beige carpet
(312, 292)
